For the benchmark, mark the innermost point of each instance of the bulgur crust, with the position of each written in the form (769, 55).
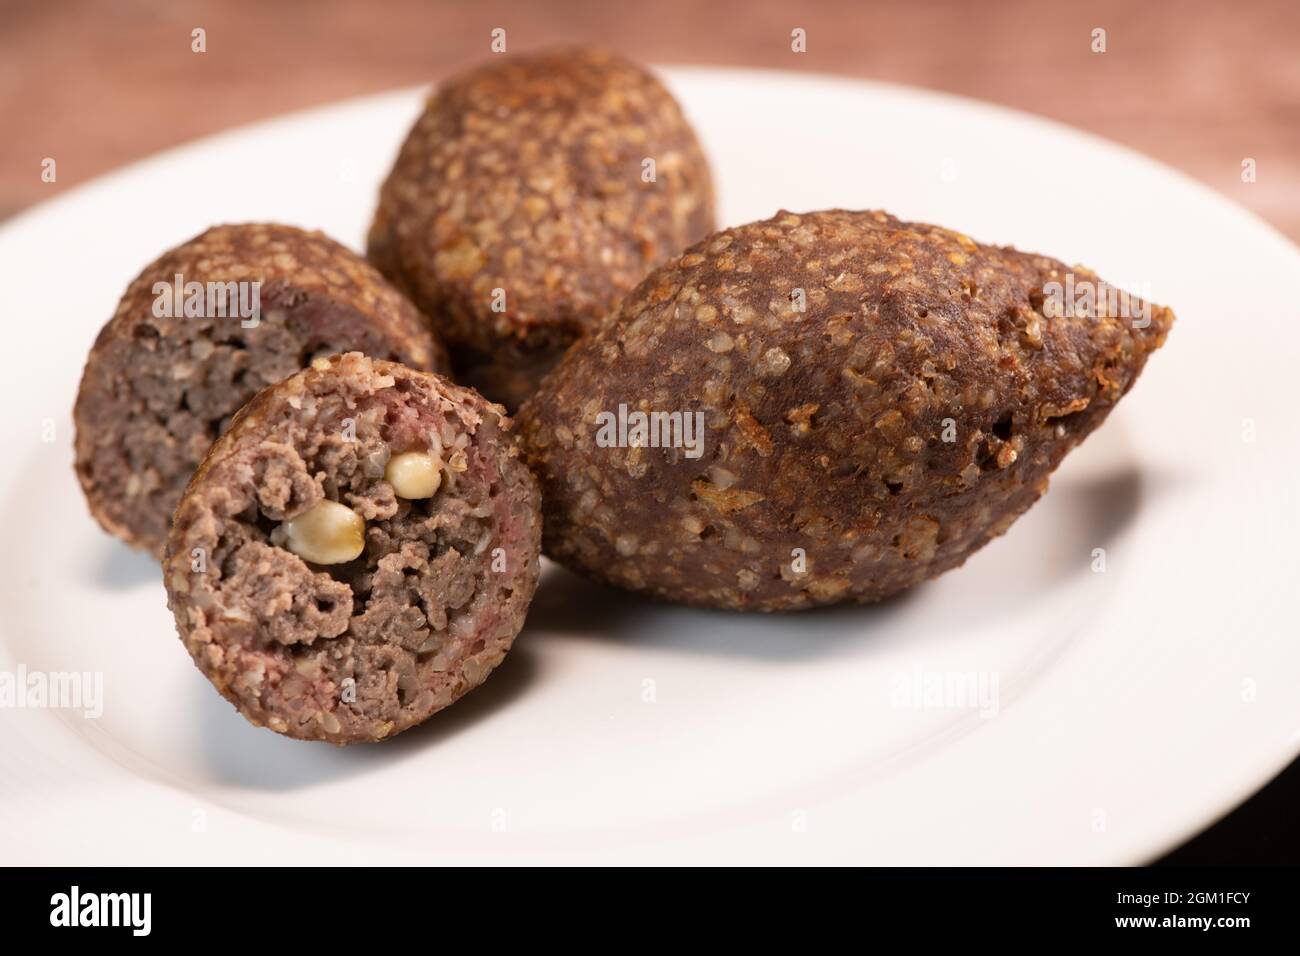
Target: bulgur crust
(825, 430)
(525, 175)
(156, 391)
(362, 650)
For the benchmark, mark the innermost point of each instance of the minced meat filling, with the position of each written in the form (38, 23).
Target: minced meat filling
(158, 389)
(422, 559)
(368, 646)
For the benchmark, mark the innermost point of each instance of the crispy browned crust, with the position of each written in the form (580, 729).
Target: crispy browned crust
(140, 432)
(526, 175)
(825, 431)
(250, 670)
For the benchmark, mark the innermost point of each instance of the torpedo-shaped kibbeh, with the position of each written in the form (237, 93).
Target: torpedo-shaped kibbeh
(877, 400)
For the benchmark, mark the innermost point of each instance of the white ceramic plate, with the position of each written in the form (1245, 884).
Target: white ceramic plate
(1132, 706)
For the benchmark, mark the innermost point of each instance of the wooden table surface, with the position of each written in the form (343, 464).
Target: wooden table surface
(1199, 84)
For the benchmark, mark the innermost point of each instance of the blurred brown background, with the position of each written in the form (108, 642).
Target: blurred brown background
(1200, 84)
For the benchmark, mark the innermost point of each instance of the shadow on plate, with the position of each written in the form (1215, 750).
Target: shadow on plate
(239, 754)
(1028, 564)
(1047, 547)
(568, 605)
(120, 568)
(1105, 505)
(1050, 546)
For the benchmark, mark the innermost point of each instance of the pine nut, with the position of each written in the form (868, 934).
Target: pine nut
(414, 474)
(328, 533)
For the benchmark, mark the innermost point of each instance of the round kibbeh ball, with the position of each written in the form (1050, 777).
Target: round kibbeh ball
(530, 196)
(197, 334)
(876, 400)
(356, 552)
